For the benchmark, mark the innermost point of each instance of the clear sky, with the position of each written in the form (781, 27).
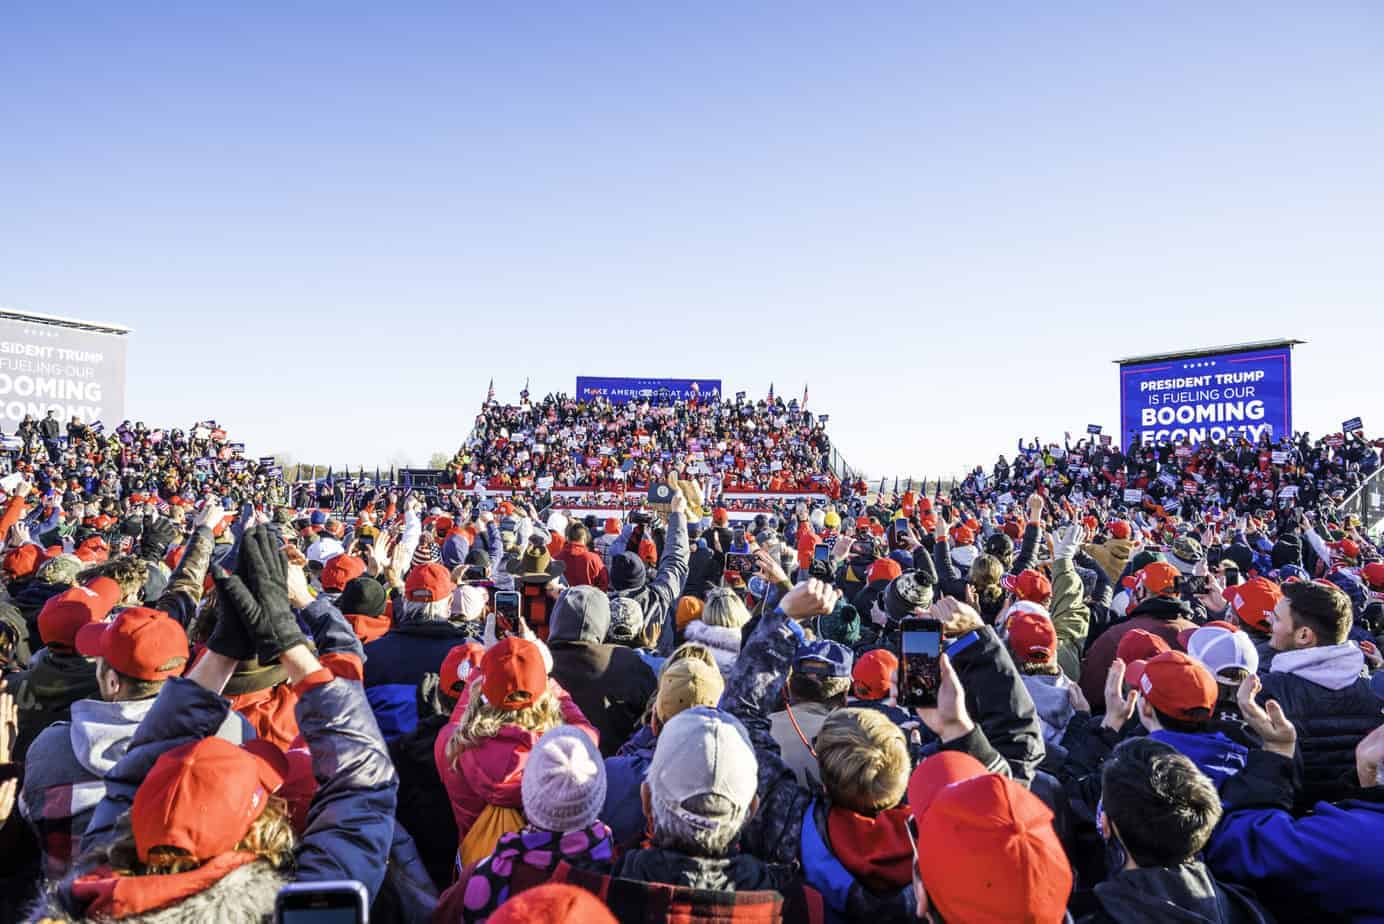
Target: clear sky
(330, 224)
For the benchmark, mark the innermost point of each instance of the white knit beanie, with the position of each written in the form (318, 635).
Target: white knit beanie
(564, 784)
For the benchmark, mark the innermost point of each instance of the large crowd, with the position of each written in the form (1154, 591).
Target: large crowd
(1160, 695)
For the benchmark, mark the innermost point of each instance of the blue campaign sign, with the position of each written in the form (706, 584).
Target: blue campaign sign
(1199, 398)
(621, 390)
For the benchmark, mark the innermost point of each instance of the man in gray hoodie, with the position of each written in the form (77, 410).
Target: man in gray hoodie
(64, 774)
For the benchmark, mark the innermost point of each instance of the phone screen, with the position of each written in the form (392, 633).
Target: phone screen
(740, 562)
(920, 666)
(821, 552)
(329, 904)
(1231, 576)
(318, 916)
(506, 612)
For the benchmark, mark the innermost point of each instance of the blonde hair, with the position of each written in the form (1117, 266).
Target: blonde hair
(725, 608)
(693, 650)
(986, 570)
(482, 721)
(863, 760)
(270, 838)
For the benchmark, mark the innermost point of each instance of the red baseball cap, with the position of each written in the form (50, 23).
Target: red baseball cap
(1373, 573)
(514, 675)
(1253, 602)
(201, 797)
(1032, 637)
(23, 561)
(457, 667)
(504, 508)
(1012, 529)
(93, 549)
(883, 569)
(553, 903)
(138, 642)
(78, 606)
(1028, 585)
(1119, 529)
(962, 535)
(341, 570)
(1159, 578)
(935, 773)
(1347, 547)
(612, 526)
(428, 583)
(1140, 645)
(872, 674)
(720, 516)
(1175, 684)
(987, 852)
(862, 523)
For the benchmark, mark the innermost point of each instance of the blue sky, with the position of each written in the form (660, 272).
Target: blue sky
(331, 224)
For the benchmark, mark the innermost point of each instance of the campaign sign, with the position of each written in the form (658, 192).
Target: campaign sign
(621, 390)
(1245, 394)
(1350, 426)
(1093, 429)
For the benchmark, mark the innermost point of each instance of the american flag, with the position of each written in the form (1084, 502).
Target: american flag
(490, 394)
(804, 394)
(771, 391)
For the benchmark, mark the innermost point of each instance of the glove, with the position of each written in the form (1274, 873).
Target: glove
(158, 535)
(236, 609)
(1069, 541)
(265, 572)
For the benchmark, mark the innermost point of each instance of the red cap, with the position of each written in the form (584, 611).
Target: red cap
(202, 798)
(173, 556)
(1012, 529)
(1373, 573)
(883, 569)
(66, 613)
(862, 523)
(934, 774)
(927, 521)
(553, 903)
(1175, 684)
(1159, 578)
(1140, 645)
(1032, 637)
(457, 667)
(504, 508)
(428, 583)
(23, 561)
(873, 672)
(1349, 548)
(987, 852)
(1119, 529)
(139, 642)
(93, 549)
(513, 674)
(341, 570)
(962, 535)
(1028, 585)
(612, 526)
(1253, 602)
(720, 516)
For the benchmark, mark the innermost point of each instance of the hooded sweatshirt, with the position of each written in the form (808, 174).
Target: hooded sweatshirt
(1173, 895)
(1053, 703)
(46, 691)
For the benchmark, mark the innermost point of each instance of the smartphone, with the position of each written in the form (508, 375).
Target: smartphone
(1195, 583)
(341, 901)
(1230, 576)
(920, 665)
(821, 552)
(506, 612)
(740, 562)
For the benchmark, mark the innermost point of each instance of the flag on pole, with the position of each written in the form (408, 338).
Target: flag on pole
(804, 396)
(771, 391)
(525, 393)
(490, 394)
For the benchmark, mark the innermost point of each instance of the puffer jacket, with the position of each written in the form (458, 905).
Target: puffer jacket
(64, 773)
(350, 823)
(656, 598)
(491, 772)
(395, 664)
(776, 832)
(1325, 693)
(625, 774)
(722, 641)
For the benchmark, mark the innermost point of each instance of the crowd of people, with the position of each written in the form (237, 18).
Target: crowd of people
(1156, 708)
(769, 445)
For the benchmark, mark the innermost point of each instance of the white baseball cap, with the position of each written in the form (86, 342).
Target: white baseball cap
(704, 751)
(1223, 649)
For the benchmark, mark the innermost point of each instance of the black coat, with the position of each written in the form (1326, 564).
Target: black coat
(610, 683)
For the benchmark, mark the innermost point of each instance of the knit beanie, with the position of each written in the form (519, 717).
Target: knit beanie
(362, 596)
(689, 609)
(564, 782)
(626, 619)
(424, 554)
(907, 594)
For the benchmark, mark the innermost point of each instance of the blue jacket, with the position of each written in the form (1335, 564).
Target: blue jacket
(350, 824)
(1324, 867)
(395, 664)
(625, 773)
(1213, 753)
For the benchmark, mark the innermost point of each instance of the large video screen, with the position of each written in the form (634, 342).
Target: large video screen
(77, 373)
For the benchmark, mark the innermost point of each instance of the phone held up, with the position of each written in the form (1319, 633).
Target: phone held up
(920, 664)
(341, 901)
(506, 612)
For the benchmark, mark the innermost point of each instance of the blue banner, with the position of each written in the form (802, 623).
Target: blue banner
(621, 390)
(1208, 398)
